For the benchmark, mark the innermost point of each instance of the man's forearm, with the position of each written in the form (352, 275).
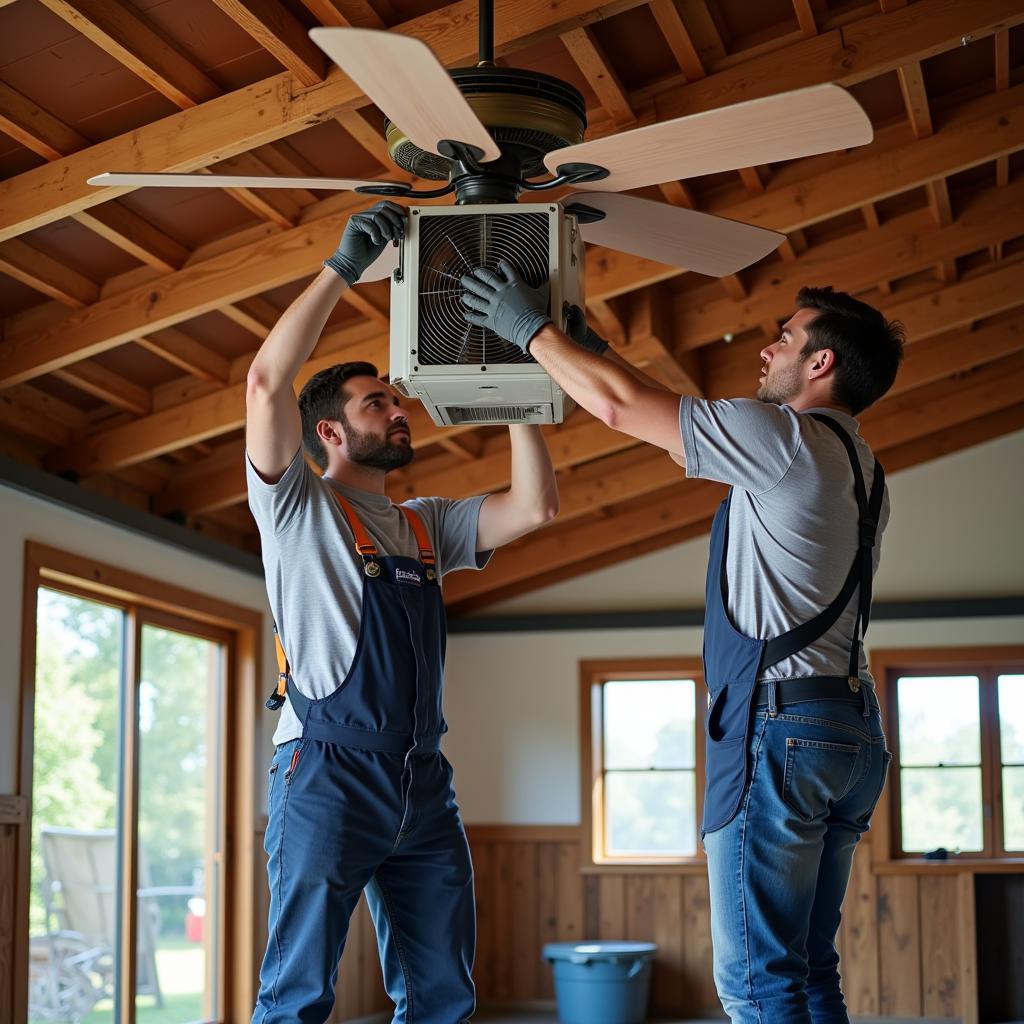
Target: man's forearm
(533, 477)
(599, 384)
(295, 335)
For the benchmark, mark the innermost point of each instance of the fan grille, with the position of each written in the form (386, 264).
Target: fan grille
(451, 247)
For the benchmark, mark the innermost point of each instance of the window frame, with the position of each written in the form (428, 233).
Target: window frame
(593, 675)
(147, 601)
(987, 663)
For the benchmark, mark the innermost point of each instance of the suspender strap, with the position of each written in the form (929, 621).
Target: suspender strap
(364, 546)
(275, 701)
(868, 509)
(422, 537)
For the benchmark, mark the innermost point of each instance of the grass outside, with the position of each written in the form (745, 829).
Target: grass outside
(181, 968)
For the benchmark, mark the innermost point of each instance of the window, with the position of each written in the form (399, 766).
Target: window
(643, 752)
(955, 724)
(127, 763)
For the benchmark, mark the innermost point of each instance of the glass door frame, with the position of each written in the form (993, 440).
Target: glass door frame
(147, 601)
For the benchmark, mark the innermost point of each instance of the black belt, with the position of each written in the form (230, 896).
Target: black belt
(792, 691)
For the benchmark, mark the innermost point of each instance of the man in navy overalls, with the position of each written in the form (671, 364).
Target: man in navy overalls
(360, 797)
(796, 756)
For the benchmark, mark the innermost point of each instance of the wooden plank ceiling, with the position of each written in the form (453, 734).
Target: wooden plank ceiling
(130, 317)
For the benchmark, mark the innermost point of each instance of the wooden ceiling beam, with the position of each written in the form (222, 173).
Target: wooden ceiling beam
(281, 34)
(189, 355)
(117, 28)
(915, 98)
(269, 110)
(345, 13)
(597, 69)
(36, 129)
(134, 235)
(44, 274)
(676, 34)
(805, 17)
(860, 50)
(264, 112)
(107, 386)
(902, 246)
(651, 342)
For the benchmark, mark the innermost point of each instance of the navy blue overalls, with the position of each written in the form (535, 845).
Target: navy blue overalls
(733, 661)
(364, 800)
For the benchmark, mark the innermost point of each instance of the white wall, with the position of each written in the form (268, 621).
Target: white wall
(27, 518)
(512, 705)
(954, 531)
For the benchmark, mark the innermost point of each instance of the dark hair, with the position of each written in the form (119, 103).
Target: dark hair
(868, 348)
(323, 398)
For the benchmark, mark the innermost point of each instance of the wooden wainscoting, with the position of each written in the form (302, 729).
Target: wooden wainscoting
(907, 941)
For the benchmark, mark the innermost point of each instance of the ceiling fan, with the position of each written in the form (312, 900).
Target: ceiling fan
(487, 132)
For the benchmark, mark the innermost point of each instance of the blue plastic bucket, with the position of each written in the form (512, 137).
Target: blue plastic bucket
(601, 982)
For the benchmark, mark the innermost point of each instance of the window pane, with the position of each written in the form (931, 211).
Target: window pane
(649, 724)
(650, 813)
(73, 902)
(939, 720)
(1013, 808)
(179, 826)
(1011, 718)
(941, 807)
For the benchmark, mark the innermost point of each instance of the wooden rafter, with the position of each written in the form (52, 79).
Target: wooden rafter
(279, 32)
(118, 28)
(345, 13)
(676, 34)
(267, 110)
(591, 59)
(36, 129)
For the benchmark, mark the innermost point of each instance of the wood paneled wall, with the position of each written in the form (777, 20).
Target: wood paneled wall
(907, 941)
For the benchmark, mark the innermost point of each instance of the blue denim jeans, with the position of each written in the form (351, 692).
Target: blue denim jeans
(779, 870)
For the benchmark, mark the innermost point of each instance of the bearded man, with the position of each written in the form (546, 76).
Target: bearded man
(360, 796)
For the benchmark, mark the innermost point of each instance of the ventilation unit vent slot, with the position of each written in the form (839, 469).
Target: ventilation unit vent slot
(498, 413)
(451, 247)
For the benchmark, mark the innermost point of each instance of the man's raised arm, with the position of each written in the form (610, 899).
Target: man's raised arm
(273, 430)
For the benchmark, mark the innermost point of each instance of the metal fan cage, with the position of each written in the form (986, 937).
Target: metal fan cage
(449, 248)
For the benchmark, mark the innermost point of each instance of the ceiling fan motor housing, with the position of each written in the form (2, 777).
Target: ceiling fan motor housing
(528, 114)
(463, 373)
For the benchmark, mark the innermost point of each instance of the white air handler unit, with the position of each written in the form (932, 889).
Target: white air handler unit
(463, 373)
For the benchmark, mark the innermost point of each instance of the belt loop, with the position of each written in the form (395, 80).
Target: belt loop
(773, 710)
(865, 693)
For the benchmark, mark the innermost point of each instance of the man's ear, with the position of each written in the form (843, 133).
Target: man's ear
(820, 363)
(329, 434)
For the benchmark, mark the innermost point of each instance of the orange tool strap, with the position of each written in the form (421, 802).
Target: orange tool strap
(422, 537)
(364, 546)
(283, 671)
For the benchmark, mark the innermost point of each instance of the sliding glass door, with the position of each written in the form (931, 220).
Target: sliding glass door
(126, 903)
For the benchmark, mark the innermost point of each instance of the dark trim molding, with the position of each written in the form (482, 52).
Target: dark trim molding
(39, 484)
(953, 608)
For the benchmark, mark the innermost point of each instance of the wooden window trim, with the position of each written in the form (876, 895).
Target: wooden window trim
(978, 660)
(148, 600)
(593, 675)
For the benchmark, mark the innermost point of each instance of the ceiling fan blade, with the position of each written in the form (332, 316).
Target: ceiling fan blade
(382, 267)
(670, 234)
(232, 181)
(404, 78)
(819, 119)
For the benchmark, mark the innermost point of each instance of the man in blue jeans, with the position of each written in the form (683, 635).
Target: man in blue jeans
(796, 756)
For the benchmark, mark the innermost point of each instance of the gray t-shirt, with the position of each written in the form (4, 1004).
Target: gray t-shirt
(792, 522)
(315, 577)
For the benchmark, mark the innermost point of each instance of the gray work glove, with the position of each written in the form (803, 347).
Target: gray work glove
(505, 304)
(366, 237)
(577, 329)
